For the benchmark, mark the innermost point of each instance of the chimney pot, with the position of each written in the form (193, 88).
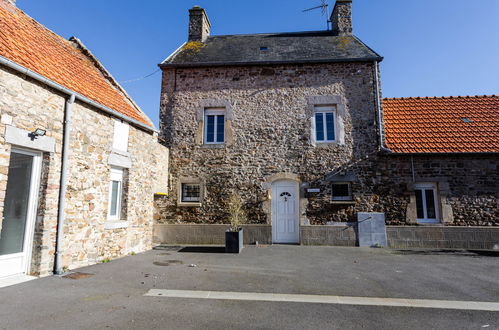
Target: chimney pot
(341, 18)
(199, 24)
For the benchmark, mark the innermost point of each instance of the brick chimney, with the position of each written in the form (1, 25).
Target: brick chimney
(341, 18)
(199, 24)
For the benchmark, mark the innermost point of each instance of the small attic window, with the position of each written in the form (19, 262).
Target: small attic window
(467, 120)
(263, 48)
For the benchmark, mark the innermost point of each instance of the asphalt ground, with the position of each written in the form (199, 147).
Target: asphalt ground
(112, 294)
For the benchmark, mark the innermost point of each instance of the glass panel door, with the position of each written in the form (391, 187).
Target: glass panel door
(16, 204)
(16, 232)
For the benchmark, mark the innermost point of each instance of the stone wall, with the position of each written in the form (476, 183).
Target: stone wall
(86, 241)
(191, 234)
(27, 104)
(399, 237)
(270, 134)
(270, 108)
(480, 238)
(467, 187)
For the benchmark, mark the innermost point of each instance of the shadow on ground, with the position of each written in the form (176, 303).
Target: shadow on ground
(464, 253)
(203, 249)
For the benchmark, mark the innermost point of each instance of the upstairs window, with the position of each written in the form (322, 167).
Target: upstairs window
(120, 139)
(191, 193)
(342, 191)
(214, 126)
(325, 123)
(426, 202)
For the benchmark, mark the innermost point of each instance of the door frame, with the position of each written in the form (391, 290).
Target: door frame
(427, 186)
(34, 188)
(297, 218)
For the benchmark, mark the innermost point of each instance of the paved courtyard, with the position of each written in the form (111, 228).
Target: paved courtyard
(115, 294)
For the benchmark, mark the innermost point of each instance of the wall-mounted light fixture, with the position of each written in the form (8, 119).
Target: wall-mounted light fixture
(37, 132)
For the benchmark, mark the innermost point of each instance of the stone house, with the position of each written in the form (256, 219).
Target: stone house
(293, 123)
(79, 161)
(442, 160)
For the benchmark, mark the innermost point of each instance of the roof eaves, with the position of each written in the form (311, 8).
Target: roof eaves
(436, 153)
(30, 73)
(378, 56)
(257, 63)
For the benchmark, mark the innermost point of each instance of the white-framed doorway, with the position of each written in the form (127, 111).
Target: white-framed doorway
(20, 208)
(427, 206)
(285, 212)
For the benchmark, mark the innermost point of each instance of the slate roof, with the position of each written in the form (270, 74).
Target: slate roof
(68, 63)
(273, 48)
(442, 124)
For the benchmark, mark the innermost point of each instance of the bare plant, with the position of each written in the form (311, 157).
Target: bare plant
(237, 215)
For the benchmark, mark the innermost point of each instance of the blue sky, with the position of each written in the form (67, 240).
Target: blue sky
(431, 47)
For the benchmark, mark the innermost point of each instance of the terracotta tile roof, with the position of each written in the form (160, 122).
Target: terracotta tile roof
(442, 125)
(66, 62)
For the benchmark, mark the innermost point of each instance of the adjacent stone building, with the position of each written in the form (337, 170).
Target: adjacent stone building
(294, 123)
(62, 112)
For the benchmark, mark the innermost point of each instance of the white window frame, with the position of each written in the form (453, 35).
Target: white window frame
(427, 186)
(342, 198)
(324, 109)
(120, 136)
(116, 175)
(213, 112)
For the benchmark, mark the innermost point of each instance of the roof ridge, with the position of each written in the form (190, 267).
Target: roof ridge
(440, 97)
(325, 32)
(106, 73)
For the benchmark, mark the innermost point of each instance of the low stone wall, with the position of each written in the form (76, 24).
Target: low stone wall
(207, 234)
(401, 237)
(344, 235)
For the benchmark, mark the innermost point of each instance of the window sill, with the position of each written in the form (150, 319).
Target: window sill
(115, 224)
(189, 204)
(342, 202)
(429, 222)
(213, 146)
(326, 144)
(120, 152)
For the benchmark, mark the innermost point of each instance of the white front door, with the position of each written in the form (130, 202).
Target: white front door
(285, 216)
(16, 233)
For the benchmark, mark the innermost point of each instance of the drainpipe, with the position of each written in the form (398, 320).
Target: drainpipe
(378, 109)
(63, 185)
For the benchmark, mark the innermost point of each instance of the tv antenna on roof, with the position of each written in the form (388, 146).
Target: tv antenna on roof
(324, 9)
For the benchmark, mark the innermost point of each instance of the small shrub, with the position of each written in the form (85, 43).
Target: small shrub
(106, 260)
(237, 215)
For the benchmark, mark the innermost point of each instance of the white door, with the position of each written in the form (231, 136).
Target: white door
(16, 235)
(285, 219)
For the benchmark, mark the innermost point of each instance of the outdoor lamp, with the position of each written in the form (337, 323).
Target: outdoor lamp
(39, 132)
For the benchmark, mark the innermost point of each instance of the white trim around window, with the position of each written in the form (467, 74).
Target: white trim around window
(325, 124)
(214, 126)
(120, 135)
(427, 206)
(115, 194)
